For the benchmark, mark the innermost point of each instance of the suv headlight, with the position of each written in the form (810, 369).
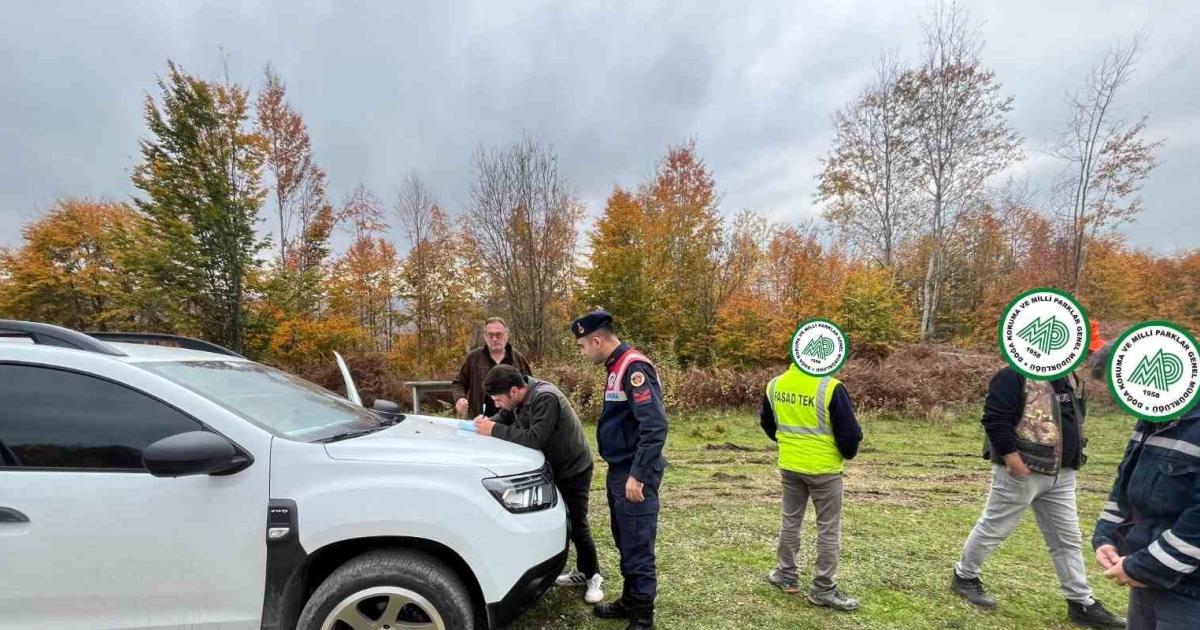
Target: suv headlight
(526, 492)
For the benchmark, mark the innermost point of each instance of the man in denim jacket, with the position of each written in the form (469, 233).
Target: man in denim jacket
(1148, 535)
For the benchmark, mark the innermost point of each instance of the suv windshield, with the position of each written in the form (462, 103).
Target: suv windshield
(274, 400)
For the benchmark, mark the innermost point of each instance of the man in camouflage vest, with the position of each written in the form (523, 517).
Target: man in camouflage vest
(1035, 442)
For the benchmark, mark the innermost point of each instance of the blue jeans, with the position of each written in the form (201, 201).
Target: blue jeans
(1157, 609)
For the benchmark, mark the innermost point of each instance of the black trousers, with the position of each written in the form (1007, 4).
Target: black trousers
(575, 492)
(1156, 609)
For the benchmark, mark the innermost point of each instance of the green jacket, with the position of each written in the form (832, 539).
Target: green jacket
(545, 421)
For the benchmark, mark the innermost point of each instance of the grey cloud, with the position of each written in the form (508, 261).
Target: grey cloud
(388, 88)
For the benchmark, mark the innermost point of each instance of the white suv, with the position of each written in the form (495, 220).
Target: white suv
(145, 486)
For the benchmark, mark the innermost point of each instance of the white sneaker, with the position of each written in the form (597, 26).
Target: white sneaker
(574, 578)
(595, 590)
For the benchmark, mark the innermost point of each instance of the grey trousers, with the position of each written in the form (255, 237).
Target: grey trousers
(826, 494)
(1053, 501)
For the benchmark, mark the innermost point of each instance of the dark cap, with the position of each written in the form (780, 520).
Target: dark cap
(591, 322)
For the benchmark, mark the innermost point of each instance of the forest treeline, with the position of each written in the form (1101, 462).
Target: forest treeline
(924, 235)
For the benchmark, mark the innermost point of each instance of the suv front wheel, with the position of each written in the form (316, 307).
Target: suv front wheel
(389, 589)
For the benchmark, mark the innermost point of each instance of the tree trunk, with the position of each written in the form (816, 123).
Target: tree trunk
(927, 298)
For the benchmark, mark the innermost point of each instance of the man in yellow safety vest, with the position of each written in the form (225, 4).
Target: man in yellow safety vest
(813, 421)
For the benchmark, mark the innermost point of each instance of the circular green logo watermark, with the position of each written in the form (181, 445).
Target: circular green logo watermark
(1154, 371)
(819, 347)
(1044, 334)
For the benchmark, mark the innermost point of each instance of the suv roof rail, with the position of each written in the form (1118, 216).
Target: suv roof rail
(50, 335)
(187, 343)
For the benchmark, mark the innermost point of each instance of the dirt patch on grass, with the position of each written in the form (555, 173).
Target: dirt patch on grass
(726, 460)
(724, 476)
(730, 446)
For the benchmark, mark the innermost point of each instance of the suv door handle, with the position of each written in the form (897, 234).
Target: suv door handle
(9, 515)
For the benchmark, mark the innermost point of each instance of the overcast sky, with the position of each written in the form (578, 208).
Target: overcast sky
(388, 88)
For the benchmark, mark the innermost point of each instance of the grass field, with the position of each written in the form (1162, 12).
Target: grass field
(912, 495)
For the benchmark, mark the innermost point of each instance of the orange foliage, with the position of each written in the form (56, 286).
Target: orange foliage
(71, 270)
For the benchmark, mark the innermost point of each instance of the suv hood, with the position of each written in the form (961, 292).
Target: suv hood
(428, 440)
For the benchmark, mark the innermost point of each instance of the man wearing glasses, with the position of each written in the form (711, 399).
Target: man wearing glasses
(467, 388)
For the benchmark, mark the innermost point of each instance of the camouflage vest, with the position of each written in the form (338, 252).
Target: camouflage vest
(1039, 432)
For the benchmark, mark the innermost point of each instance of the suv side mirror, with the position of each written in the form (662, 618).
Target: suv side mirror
(387, 409)
(194, 453)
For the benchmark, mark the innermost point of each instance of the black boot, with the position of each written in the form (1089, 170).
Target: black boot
(612, 610)
(641, 614)
(1093, 616)
(617, 609)
(972, 591)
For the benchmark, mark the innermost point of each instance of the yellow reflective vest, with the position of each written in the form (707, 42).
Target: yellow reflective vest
(800, 404)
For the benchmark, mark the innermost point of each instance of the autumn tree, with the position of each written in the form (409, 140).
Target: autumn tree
(684, 237)
(1125, 285)
(362, 281)
(874, 313)
(523, 215)
(72, 267)
(304, 214)
(867, 181)
(801, 276)
(665, 262)
(439, 281)
(297, 184)
(306, 346)
(621, 276)
(999, 247)
(1107, 156)
(957, 114)
(736, 264)
(200, 178)
(794, 278)
(745, 335)
(418, 213)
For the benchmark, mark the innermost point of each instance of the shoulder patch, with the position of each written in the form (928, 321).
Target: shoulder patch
(637, 379)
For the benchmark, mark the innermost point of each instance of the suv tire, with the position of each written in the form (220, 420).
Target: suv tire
(381, 585)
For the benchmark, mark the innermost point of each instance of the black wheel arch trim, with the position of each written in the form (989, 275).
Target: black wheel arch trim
(293, 574)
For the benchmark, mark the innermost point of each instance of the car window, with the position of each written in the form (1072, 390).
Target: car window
(281, 403)
(56, 419)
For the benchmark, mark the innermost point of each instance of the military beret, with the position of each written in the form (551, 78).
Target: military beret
(591, 322)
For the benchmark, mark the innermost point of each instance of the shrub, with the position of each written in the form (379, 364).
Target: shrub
(919, 382)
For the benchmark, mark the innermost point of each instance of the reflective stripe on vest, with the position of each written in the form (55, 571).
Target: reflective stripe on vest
(800, 404)
(822, 427)
(614, 389)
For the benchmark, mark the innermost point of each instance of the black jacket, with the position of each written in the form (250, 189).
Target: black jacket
(1005, 404)
(469, 382)
(545, 421)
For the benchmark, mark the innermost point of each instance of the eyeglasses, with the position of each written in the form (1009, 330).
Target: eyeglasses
(499, 335)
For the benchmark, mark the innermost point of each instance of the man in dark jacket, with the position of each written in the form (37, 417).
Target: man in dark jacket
(467, 388)
(1035, 442)
(536, 414)
(1148, 535)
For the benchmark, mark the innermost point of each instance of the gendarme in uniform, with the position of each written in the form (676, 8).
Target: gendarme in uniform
(630, 435)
